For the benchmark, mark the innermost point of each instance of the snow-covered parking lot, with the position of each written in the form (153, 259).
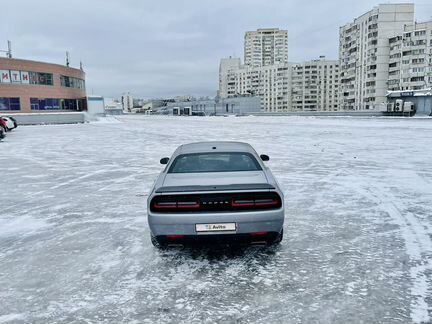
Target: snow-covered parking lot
(74, 239)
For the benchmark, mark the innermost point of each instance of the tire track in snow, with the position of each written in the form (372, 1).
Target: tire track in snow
(417, 241)
(88, 175)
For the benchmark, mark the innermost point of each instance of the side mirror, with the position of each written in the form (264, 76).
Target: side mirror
(164, 160)
(264, 157)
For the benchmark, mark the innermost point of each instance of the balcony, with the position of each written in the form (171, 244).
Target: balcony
(417, 83)
(394, 69)
(394, 60)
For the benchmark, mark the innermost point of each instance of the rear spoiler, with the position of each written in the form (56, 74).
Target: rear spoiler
(232, 187)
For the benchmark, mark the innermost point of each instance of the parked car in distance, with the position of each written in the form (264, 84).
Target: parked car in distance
(14, 121)
(2, 133)
(215, 192)
(3, 125)
(8, 123)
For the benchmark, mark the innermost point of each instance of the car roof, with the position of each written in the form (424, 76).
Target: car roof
(216, 146)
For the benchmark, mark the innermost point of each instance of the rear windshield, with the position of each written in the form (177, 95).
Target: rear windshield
(214, 162)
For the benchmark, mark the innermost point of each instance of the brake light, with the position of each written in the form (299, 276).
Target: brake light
(168, 205)
(254, 202)
(188, 204)
(242, 203)
(266, 202)
(176, 205)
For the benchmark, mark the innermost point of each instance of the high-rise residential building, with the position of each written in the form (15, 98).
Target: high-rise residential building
(364, 54)
(282, 86)
(266, 72)
(272, 83)
(227, 68)
(127, 102)
(264, 47)
(315, 85)
(410, 65)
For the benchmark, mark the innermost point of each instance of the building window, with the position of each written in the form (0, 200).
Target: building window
(420, 33)
(41, 78)
(70, 82)
(417, 79)
(57, 104)
(7, 104)
(25, 77)
(44, 104)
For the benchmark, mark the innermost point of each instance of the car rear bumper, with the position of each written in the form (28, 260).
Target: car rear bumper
(270, 221)
(219, 239)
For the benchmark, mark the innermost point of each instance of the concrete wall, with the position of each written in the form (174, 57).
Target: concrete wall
(229, 106)
(423, 105)
(49, 118)
(325, 114)
(113, 111)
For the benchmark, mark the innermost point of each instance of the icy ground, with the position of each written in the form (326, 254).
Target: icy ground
(74, 240)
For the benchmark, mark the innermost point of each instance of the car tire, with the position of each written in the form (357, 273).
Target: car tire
(277, 240)
(157, 244)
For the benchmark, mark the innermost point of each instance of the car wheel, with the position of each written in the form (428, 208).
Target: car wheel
(277, 240)
(156, 243)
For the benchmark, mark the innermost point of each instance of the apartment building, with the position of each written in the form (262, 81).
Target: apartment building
(272, 83)
(315, 85)
(410, 61)
(281, 86)
(264, 47)
(127, 102)
(266, 72)
(364, 54)
(227, 68)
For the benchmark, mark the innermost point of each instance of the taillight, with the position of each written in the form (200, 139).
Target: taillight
(222, 202)
(242, 203)
(188, 204)
(266, 202)
(255, 202)
(183, 205)
(168, 205)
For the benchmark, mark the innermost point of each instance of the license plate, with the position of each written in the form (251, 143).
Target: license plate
(219, 227)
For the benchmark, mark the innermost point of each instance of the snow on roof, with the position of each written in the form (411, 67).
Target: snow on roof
(409, 93)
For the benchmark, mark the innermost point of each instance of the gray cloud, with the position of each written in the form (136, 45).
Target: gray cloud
(167, 48)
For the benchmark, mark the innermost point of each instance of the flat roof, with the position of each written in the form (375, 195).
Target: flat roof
(409, 93)
(6, 59)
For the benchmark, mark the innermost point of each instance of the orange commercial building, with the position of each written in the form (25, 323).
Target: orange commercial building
(30, 86)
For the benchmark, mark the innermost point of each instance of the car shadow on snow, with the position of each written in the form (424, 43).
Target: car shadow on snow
(217, 253)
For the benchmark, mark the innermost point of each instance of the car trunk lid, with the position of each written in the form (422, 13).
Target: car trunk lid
(214, 178)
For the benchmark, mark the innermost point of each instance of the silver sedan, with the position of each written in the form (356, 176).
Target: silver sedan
(215, 192)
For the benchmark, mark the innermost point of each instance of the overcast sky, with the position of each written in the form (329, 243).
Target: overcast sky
(168, 48)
